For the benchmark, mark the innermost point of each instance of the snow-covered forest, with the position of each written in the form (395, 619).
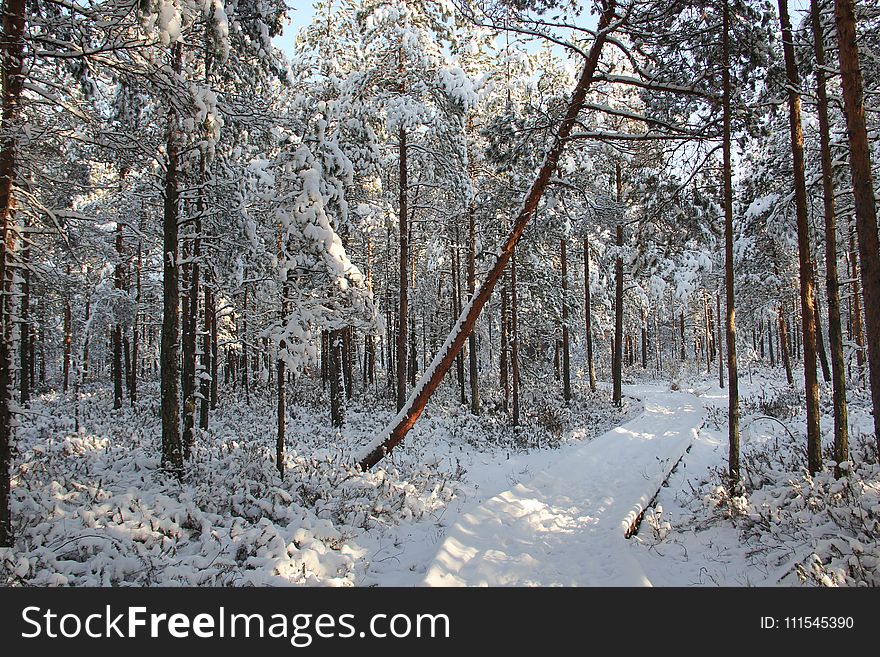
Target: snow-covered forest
(445, 292)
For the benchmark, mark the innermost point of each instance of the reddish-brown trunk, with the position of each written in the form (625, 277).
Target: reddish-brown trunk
(805, 260)
(863, 191)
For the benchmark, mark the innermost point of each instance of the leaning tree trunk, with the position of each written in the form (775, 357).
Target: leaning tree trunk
(863, 191)
(832, 284)
(732, 373)
(172, 447)
(808, 310)
(414, 407)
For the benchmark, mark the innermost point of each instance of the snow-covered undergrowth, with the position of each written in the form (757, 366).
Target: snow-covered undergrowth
(93, 507)
(791, 528)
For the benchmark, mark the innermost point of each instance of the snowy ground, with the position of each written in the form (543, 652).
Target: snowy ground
(462, 502)
(566, 524)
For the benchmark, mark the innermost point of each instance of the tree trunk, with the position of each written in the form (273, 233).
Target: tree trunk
(214, 352)
(25, 331)
(117, 328)
(135, 343)
(784, 354)
(282, 419)
(566, 362)
(347, 362)
(337, 401)
(11, 49)
(681, 332)
(505, 339)
(399, 427)
(404, 277)
(863, 191)
(245, 351)
(720, 340)
(708, 322)
(732, 373)
(514, 343)
(85, 367)
(474, 374)
(68, 339)
(588, 316)
(191, 308)
(820, 342)
(808, 310)
(172, 448)
(456, 305)
(617, 361)
(207, 360)
(857, 333)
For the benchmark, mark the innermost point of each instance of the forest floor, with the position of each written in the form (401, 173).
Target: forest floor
(462, 501)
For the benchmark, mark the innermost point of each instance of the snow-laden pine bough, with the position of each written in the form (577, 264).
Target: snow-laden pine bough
(395, 432)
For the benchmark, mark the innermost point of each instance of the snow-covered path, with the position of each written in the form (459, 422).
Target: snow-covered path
(566, 525)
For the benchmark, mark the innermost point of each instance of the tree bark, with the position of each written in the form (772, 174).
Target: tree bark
(172, 448)
(25, 331)
(474, 374)
(399, 427)
(566, 362)
(337, 401)
(683, 344)
(11, 52)
(135, 343)
(68, 337)
(505, 339)
(784, 354)
(588, 316)
(403, 306)
(282, 419)
(207, 360)
(720, 341)
(732, 371)
(820, 342)
(117, 328)
(456, 306)
(808, 310)
(857, 332)
(191, 308)
(514, 343)
(617, 361)
(863, 191)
